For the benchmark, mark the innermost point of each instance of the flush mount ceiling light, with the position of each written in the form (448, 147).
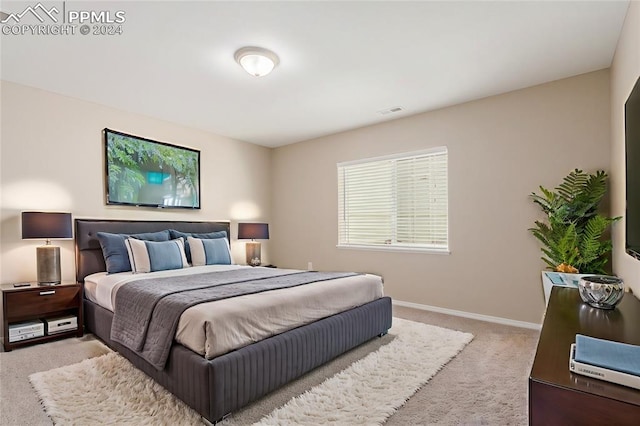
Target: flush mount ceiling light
(257, 61)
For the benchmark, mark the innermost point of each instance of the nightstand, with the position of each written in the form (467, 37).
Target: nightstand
(41, 303)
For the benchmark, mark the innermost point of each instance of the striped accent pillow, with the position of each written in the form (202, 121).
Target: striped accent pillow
(151, 256)
(209, 251)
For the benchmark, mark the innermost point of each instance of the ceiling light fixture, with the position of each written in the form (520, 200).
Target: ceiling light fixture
(257, 61)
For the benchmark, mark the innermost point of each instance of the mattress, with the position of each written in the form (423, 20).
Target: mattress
(214, 328)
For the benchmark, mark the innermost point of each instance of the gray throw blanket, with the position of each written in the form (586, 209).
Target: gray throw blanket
(147, 311)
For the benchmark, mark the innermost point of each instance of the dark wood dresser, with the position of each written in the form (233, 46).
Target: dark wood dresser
(560, 397)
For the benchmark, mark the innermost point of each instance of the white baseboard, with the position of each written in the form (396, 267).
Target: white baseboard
(480, 317)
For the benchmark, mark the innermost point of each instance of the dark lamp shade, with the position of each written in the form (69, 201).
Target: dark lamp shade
(41, 225)
(253, 231)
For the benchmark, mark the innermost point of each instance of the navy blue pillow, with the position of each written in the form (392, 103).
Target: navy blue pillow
(204, 236)
(115, 253)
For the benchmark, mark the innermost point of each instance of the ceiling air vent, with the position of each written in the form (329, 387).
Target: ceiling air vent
(390, 110)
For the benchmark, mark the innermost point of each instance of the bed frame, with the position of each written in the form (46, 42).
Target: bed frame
(217, 387)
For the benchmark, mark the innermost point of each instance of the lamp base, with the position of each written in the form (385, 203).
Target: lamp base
(48, 260)
(253, 253)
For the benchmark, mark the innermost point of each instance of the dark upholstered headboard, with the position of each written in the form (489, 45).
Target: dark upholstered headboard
(89, 257)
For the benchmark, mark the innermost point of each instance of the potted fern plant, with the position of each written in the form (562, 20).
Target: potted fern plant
(572, 240)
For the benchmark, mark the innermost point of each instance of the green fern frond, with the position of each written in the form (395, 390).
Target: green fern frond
(572, 184)
(575, 229)
(596, 186)
(552, 266)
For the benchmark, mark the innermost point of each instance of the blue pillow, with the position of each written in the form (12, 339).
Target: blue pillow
(209, 235)
(210, 251)
(151, 256)
(115, 253)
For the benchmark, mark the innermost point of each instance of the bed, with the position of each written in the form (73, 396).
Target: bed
(218, 383)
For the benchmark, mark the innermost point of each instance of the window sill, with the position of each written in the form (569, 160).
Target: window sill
(395, 249)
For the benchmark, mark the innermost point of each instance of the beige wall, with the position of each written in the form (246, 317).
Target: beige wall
(500, 149)
(625, 70)
(52, 159)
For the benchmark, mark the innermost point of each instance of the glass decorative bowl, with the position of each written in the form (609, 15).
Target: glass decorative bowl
(601, 291)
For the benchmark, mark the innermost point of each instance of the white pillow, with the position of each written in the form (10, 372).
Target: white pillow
(150, 256)
(209, 251)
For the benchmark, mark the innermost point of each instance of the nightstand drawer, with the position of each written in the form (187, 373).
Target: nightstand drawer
(39, 300)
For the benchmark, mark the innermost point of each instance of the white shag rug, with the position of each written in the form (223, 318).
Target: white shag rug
(110, 390)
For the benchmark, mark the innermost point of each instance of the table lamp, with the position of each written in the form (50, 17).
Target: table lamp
(253, 231)
(47, 226)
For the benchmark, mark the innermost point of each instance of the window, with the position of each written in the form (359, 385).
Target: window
(397, 202)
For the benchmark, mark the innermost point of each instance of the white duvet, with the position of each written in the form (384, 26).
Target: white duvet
(214, 328)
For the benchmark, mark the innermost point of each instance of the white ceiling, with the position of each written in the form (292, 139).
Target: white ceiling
(340, 62)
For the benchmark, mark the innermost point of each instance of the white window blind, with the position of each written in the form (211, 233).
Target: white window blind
(395, 202)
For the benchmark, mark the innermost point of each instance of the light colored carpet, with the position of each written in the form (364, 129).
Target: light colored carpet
(108, 389)
(19, 405)
(371, 389)
(500, 358)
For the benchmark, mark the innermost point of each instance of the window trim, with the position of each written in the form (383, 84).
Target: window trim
(398, 247)
(436, 150)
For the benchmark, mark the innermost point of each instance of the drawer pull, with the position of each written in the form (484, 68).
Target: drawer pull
(47, 293)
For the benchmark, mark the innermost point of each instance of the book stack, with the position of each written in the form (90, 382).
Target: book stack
(606, 360)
